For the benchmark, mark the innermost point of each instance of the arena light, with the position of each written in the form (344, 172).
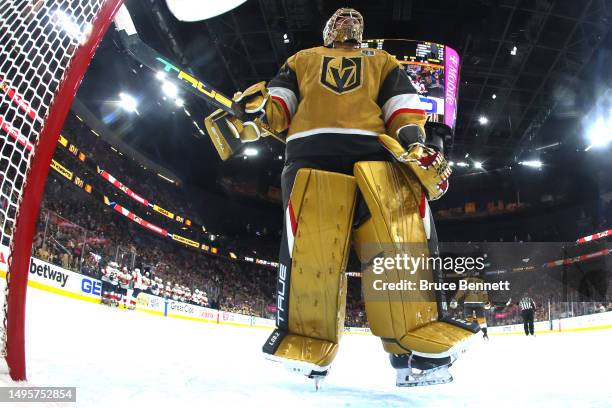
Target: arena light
(169, 89)
(127, 102)
(463, 164)
(161, 75)
(599, 134)
(483, 120)
(451, 163)
(71, 27)
(536, 164)
(514, 50)
(169, 180)
(478, 165)
(549, 146)
(493, 96)
(249, 151)
(179, 102)
(193, 10)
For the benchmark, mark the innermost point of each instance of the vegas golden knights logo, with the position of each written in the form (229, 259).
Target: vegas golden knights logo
(341, 74)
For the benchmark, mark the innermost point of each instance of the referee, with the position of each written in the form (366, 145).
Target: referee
(528, 308)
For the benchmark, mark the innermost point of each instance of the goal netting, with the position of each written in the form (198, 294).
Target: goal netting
(45, 47)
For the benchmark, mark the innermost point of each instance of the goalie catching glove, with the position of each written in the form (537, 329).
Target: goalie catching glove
(429, 166)
(228, 132)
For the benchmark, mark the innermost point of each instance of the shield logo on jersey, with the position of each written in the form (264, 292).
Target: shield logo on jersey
(341, 74)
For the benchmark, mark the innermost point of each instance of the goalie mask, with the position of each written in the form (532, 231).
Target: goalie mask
(345, 25)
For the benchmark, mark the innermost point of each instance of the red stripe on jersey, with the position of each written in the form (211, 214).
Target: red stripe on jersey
(403, 110)
(285, 108)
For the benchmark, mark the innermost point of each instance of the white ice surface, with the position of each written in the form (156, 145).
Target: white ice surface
(119, 358)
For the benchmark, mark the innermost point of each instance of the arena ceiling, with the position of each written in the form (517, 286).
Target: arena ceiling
(534, 69)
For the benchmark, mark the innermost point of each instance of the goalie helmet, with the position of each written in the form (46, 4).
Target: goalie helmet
(345, 25)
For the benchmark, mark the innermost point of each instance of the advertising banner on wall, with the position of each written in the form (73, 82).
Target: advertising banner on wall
(52, 278)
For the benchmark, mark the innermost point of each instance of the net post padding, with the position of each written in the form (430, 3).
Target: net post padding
(30, 204)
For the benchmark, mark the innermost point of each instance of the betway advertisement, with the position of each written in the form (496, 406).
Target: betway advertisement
(46, 276)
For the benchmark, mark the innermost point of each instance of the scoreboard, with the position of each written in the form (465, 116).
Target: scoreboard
(433, 70)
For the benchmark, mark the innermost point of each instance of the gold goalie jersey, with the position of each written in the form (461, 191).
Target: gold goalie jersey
(335, 101)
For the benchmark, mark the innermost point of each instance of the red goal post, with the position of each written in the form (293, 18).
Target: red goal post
(45, 48)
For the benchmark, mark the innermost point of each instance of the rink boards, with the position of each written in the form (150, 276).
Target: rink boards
(60, 281)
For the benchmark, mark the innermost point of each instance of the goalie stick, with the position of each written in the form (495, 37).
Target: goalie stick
(147, 56)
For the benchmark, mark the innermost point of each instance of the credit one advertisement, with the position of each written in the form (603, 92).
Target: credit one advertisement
(433, 70)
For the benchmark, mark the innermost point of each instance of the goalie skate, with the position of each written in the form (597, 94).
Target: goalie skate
(414, 371)
(312, 371)
(413, 377)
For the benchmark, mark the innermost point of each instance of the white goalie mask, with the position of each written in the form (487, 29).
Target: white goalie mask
(346, 24)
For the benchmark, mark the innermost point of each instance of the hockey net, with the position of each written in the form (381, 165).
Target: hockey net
(45, 47)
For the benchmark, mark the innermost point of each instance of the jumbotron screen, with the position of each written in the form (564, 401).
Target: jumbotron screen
(434, 71)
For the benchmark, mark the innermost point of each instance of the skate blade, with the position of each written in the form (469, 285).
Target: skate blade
(408, 378)
(309, 370)
(423, 383)
(318, 381)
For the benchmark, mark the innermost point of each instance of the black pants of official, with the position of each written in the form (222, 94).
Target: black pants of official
(528, 321)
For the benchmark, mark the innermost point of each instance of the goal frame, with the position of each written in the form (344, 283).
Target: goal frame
(29, 206)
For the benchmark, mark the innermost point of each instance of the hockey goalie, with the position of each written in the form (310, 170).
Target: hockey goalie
(358, 174)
